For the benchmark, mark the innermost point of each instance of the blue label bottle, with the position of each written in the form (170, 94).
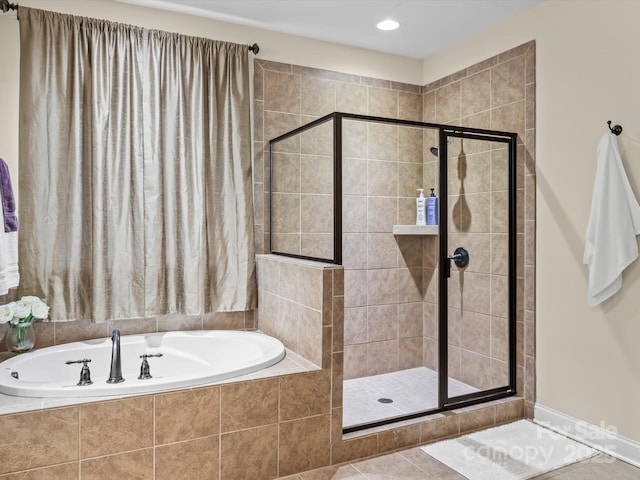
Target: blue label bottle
(432, 209)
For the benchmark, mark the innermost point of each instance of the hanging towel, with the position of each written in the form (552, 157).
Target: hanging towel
(614, 222)
(8, 200)
(9, 275)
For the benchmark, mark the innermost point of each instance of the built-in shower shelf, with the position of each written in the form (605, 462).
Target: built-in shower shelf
(415, 229)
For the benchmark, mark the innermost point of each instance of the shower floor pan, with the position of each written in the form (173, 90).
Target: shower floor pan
(379, 397)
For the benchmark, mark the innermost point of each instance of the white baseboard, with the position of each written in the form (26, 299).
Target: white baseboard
(602, 437)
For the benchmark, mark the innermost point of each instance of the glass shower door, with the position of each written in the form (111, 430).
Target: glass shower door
(477, 248)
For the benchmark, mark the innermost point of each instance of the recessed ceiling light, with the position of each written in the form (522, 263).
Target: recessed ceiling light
(388, 25)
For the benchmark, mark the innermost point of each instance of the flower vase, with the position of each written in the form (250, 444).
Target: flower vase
(21, 337)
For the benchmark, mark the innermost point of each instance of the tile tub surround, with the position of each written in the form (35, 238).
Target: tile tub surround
(248, 430)
(497, 93)
(203, 433)
(292, 363)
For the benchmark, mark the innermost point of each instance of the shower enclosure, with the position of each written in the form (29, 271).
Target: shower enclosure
(430, 320)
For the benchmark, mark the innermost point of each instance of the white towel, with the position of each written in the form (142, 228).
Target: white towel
(614, 222)
(9, 274)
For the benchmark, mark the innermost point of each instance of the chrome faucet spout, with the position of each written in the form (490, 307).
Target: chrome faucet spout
(115, 376)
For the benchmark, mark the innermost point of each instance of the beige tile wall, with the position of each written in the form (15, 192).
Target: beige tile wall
(247, 430)
(384, 288)
(382, 168)
(498, 94)
(287, 96)
(297, 303)
(303, 194)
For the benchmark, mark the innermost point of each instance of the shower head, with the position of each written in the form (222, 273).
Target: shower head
(434, 150)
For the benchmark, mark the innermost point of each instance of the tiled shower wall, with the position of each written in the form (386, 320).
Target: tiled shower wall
(382, 168)
(300, 301)
(384, 273)
(498, 93)
(303, 193)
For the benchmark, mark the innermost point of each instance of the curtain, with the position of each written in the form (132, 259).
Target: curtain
(135, 170)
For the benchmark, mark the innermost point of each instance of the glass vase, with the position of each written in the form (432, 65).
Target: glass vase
(21, 337)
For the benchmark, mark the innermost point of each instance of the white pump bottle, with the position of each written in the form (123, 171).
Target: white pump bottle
(421, 208)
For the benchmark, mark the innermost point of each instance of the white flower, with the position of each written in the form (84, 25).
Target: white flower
(20, 310)
(40, 310)
(6, 313)
(30, 300)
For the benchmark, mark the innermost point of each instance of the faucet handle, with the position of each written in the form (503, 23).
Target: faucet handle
(145, 373)
(83, 361)
(85, 374)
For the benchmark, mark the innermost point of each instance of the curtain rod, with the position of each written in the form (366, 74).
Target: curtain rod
(5, 6)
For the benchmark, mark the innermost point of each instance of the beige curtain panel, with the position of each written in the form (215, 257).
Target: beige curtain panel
(135, 170)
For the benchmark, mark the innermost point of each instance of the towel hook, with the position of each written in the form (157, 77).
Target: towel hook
(617, 129)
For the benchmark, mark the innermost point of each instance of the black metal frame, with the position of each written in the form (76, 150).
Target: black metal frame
(337, 187)
(337, 118)
(445, 131)
(445, 402)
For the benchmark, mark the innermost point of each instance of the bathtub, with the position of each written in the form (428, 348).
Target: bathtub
(188, 359)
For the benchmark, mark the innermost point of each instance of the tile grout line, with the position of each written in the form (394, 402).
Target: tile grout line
(79, 442)
(153, 439)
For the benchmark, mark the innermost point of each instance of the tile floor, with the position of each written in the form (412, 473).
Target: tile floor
(415, 464)
(412, 390)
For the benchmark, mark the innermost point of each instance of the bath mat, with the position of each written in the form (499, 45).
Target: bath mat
(515, 451)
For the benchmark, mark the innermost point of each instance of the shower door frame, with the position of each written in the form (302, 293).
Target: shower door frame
(445, 402)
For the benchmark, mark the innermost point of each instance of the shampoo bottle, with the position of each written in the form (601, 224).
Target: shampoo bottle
(432, 209)
(421, 208)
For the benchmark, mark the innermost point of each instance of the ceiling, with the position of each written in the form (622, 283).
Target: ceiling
(426, 26)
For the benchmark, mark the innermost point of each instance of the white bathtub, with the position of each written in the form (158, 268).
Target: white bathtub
(188, 359)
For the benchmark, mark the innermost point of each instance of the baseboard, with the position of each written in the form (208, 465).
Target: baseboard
(602, 438)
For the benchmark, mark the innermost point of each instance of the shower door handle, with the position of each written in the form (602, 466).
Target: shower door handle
(460, 257)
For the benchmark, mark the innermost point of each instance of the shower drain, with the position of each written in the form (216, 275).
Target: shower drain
(385, 400)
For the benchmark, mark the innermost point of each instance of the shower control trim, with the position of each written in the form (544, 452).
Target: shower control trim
(460, 257)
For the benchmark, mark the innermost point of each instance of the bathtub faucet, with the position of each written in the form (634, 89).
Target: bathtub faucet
(115, 376)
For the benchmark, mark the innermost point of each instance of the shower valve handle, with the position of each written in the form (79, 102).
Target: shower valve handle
(460, 257)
